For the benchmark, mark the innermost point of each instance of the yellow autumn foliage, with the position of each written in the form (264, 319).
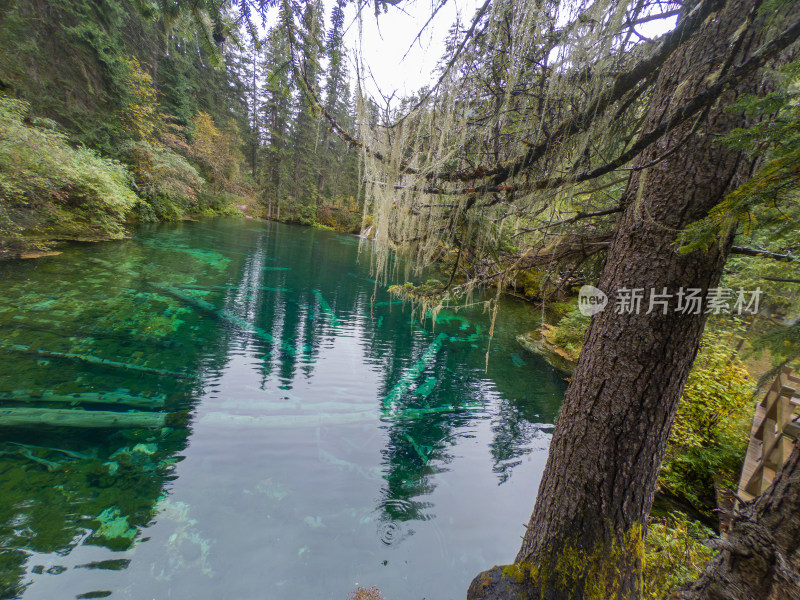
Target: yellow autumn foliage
(139, 116)
(216, 150)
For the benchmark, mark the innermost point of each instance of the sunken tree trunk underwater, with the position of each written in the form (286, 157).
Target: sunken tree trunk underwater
(585, 537)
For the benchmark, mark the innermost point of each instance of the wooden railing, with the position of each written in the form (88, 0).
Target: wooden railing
(776, 427)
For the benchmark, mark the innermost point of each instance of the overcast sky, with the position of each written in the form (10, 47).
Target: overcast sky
(386, 41)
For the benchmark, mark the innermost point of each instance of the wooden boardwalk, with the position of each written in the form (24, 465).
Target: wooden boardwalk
(773, 436)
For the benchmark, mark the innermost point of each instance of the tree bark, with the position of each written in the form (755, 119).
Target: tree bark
(585, 537)
(761, 552)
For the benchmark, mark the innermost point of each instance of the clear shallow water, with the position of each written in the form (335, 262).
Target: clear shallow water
(300, 441)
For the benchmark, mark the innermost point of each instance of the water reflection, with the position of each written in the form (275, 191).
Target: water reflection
(293, 422)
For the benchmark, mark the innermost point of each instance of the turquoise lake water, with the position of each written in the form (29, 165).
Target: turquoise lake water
(217, 410)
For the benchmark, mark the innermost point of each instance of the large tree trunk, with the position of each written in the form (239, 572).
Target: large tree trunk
(585, 537)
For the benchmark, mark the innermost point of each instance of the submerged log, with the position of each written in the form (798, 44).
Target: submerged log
(105, 362)
(327, 310)
(402, 386)
(418, 413)
(90, 419)
(82, 398)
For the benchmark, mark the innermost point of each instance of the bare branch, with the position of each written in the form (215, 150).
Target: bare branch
(579, 216)
(781, 279)
(761, 253)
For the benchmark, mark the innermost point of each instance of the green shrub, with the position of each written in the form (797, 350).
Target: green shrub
(49, 189)
(218, 203)
(674, 554)
(710, 433)
(165, 179)
(529, 283)
(568, 334)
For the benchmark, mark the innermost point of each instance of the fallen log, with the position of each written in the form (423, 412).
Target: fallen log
(89, 419)
(413, 373)
(105, 362)
(82, 398)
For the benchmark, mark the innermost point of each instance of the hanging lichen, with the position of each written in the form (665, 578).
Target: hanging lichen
(536, 106)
